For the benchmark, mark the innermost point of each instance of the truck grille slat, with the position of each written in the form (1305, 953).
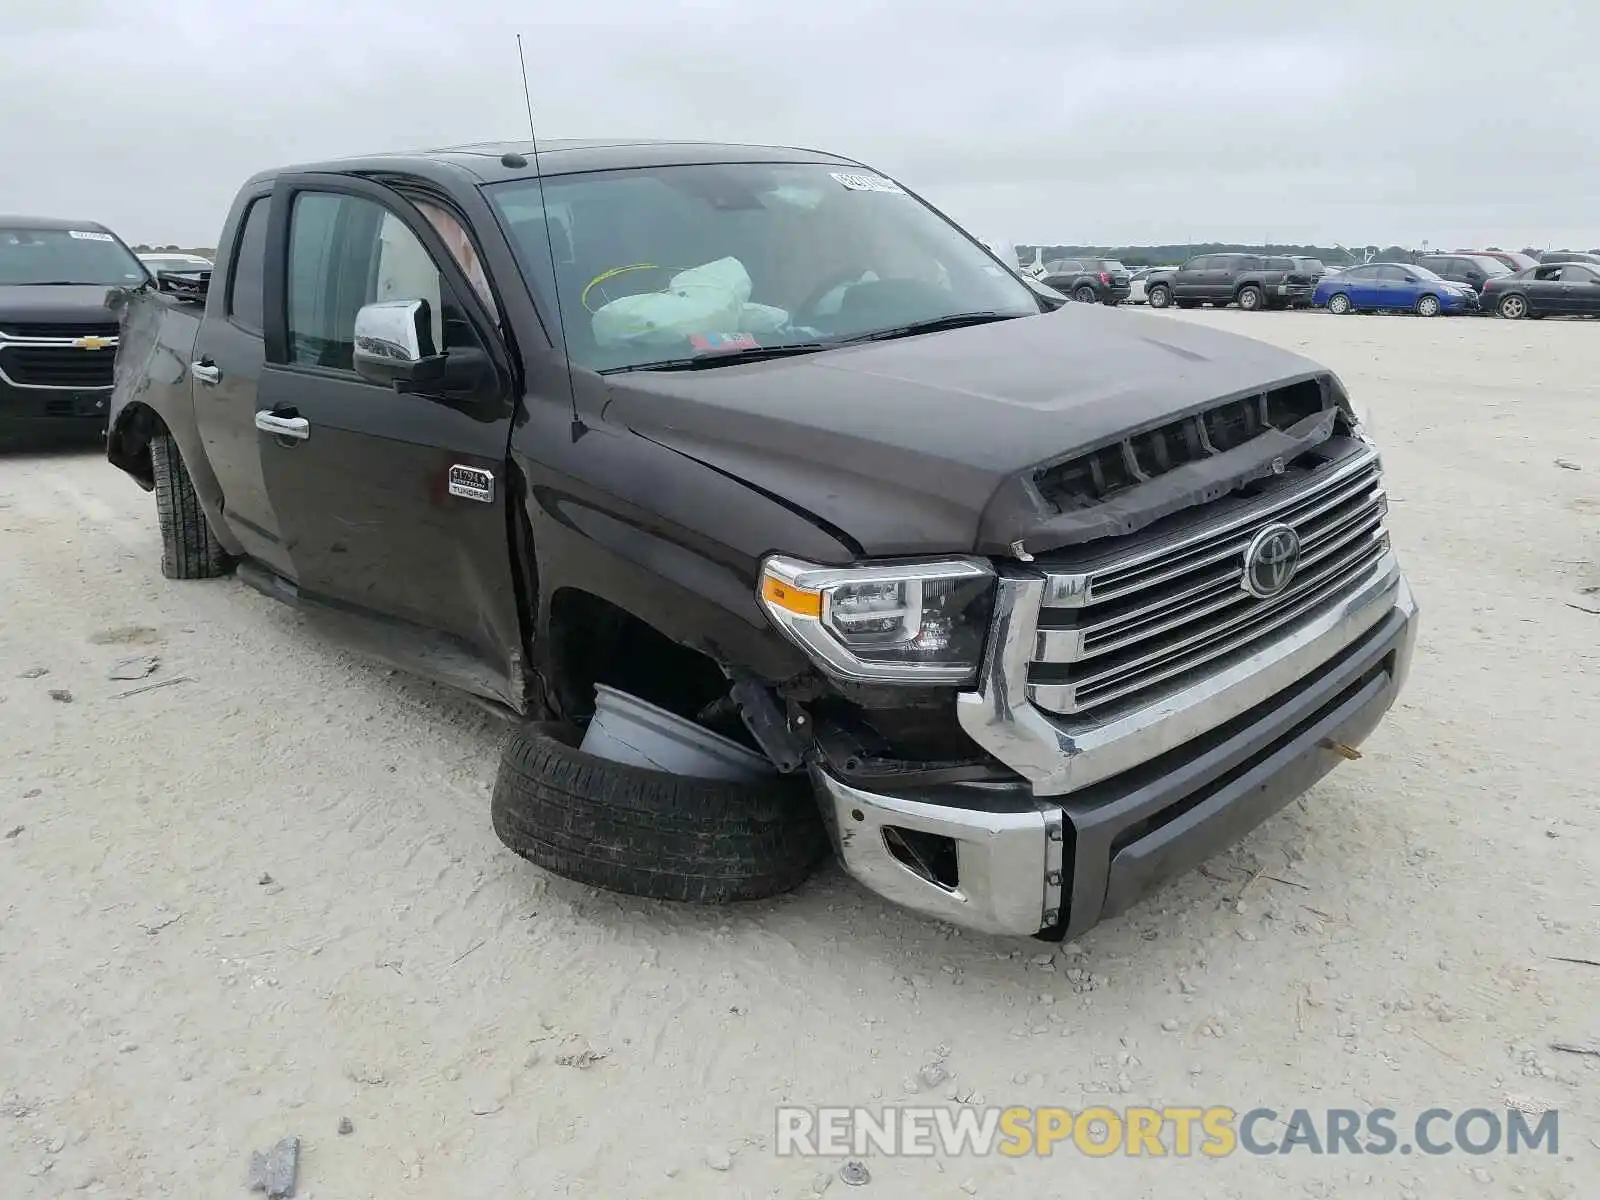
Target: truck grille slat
(1221, 589)
(55, 331)
(57, 366)
(1116, 632)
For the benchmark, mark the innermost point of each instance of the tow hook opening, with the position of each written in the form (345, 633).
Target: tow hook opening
(930, 856)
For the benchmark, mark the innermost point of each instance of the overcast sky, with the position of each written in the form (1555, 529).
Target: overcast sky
(1311, 121)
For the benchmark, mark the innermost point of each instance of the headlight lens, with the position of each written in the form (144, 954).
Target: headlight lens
(916, 622)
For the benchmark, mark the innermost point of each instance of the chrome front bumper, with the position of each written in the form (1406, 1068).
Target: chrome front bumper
(1086, 833)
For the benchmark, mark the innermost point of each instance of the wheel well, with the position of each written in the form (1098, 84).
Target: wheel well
(592, 640)
(129, 444)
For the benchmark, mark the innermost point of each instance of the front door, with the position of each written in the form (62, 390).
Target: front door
(371, 484)
(1585, 294)
(226, 371)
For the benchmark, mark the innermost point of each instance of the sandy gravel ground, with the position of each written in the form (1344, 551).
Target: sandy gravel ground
(266, 898)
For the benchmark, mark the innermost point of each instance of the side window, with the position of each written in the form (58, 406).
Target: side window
(245, 280)
(344, 252)
(1203, 263)
(1575, 274)
(1245, 262)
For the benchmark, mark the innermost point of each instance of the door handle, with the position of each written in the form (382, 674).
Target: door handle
(290, 427)
(205, 372)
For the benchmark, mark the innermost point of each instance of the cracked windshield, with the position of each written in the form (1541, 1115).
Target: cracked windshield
(673, 265)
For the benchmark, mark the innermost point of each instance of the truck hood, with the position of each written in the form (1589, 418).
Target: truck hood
(926, 444)
(61, 304)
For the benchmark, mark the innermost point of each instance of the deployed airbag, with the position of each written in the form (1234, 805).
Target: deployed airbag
(713, 298)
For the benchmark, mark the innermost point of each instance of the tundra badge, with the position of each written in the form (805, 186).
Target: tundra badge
(472, 483)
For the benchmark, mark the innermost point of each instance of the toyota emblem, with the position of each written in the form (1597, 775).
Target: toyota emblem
(1270, 561)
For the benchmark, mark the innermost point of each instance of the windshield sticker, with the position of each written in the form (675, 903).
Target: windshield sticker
(723, 343)
(868, 183)
(85, 235)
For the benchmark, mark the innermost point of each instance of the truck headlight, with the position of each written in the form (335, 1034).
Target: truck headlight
(911, 622)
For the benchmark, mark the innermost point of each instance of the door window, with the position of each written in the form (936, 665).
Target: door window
(1392, 274)
(1575, 274)
(249, 262)
(344, 252)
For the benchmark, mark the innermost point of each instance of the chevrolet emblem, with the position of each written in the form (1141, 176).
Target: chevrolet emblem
(92, 343)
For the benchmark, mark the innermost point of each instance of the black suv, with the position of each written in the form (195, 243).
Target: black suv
(1252, 281)
(58, 340)
(1474, 270)
(1089, 280)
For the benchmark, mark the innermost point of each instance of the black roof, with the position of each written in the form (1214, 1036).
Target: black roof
(9, 222)
(482, 160)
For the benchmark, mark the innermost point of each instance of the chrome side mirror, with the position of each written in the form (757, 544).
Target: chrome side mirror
(394, 343)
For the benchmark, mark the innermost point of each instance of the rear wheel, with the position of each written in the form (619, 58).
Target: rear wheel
(1339, 304)
(1250, 297)
(648, 833)
(1159, 295)
(189, 550)
(1085, 295)
(1513, 307)
(1428, 306)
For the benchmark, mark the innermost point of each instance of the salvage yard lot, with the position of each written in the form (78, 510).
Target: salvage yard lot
(267, 896)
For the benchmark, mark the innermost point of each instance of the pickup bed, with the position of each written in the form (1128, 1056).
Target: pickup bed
(778, 513)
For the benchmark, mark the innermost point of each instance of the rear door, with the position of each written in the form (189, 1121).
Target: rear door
(366, 487)
(1363, 287)
(228, 357)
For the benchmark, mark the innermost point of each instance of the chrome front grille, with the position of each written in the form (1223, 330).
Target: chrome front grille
(1122, 631)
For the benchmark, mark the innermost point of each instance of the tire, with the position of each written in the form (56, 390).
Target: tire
(1427, 306)
(189, 550)
(646, 833)
(1085, 295)
(1513, 307)
(1339, 304)
(1158, 296)
(1250, 298)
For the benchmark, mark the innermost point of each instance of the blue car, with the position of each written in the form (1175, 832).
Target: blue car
(1398, 287)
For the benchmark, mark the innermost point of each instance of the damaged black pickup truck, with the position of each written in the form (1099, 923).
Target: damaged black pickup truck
(780, 512)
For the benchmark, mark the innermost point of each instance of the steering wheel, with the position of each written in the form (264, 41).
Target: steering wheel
(803, 315)
(612, 273)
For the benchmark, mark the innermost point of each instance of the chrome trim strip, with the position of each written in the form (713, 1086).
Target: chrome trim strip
(1057, 756)
(1073, 589)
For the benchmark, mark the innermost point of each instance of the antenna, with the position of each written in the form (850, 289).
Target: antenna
(578, 427)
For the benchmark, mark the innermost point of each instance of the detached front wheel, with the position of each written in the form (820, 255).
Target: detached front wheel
(648, 833)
